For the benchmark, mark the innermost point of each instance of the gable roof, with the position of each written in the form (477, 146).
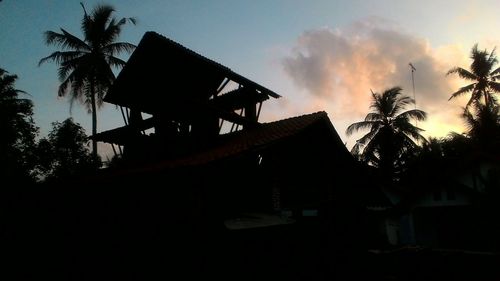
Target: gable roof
(160, 71)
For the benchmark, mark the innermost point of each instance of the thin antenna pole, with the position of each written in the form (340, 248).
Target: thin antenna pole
(413, 69)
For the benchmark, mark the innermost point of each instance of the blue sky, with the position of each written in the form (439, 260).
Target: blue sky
(347, 48)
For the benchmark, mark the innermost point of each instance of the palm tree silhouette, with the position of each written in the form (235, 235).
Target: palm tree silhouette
(391, 135)
(85, 65)
(483, 75)
(483, 126)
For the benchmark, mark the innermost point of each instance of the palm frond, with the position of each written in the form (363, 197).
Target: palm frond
(113, 29)
(69, 66)
(470, 121)
(354, 127)
(110, 32)
(374, 116)
(389, 100)
(65, 40)
(101, 14)
(96, 24)
(413, 114)
(61, 57)
(475, 99)
(117, 48)
(358, 148)
(401, 104)
(415, 134)
(495, 86)
(495, 73)
(462, 73)
(463, 90)
(7, 81)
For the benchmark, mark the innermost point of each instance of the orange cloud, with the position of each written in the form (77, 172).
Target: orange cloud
(338, 68)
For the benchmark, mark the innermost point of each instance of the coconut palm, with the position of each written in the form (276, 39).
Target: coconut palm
(391, 135)
(483, 126)
(85, 65)
(483, 75)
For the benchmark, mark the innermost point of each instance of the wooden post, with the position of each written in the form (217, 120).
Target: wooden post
(123, 115)
(258, 111)
(222, 86)
(220, 125)
(250, 112)
(113, 147)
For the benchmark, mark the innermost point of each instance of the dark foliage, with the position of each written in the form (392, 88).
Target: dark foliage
(65, 153)
(18, 132)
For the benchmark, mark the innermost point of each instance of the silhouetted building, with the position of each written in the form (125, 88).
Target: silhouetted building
(187, 96)
(239, 198)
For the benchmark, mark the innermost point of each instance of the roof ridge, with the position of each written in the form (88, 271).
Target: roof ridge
(180, 46)
(313, 114)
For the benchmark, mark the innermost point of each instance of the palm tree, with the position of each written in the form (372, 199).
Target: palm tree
(483, 126)
(391, 134)
(85, 65)
(483, 75)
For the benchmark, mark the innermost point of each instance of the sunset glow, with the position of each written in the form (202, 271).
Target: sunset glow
(326, 55)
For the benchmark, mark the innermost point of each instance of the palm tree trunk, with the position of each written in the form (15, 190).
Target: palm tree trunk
(94, 118)
(487, 100)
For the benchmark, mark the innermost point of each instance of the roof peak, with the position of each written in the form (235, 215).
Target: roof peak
(182, 47)
(313, 115)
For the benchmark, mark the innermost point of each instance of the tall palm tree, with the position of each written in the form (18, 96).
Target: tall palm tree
(85, 65)
(483, 75)
(391, 135)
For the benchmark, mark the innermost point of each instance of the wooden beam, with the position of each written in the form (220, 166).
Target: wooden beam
(238, 99)
(119, 135)
(247, 82)
(123, 115)
(222, 86)
(220, 125)
(250, 114)
(241, 114)
(258, 112)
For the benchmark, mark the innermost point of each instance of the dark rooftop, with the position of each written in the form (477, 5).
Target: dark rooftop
(160, 73)
(263, 136)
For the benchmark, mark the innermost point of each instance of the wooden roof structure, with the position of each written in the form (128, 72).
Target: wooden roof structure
(263, 137)
(260, 138)
(161, 72)
(177, 85)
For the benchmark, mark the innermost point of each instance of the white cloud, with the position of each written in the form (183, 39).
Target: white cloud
(339, 67)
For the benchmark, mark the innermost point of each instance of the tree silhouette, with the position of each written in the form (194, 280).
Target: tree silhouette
(85, 65)
(65, 153)
(18, 131)
(483, 75)
(391, 135)
(483, 127)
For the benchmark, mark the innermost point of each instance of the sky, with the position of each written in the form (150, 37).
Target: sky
(322, 55)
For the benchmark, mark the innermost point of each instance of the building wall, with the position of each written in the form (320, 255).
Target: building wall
(444, 197)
